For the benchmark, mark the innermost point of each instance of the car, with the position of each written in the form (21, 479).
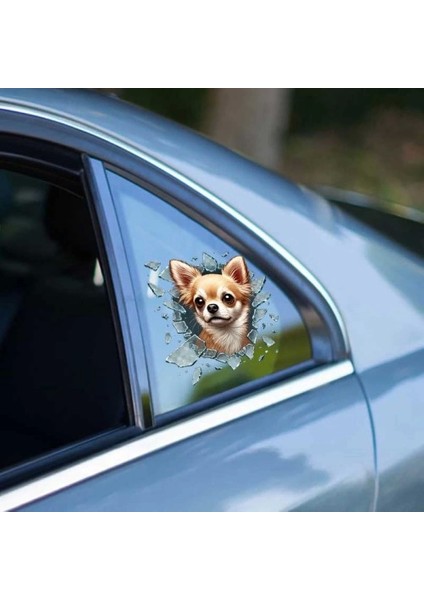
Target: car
(112, 398)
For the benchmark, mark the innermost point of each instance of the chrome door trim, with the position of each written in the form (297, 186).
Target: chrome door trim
(123, 144)
(177, 432)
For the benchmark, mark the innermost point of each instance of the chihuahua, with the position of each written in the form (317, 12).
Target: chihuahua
(221, 302)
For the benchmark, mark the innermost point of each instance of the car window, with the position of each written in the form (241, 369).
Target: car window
(60, 375)
(211, 320)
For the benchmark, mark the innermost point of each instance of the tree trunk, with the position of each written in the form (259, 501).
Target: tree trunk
(249, 120)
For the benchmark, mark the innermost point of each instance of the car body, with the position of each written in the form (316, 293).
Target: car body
(344, 434)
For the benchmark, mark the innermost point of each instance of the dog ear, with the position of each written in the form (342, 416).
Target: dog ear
(182, 274)
(237, 269)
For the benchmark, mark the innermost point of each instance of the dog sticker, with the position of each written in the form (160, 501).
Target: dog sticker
(217, 307)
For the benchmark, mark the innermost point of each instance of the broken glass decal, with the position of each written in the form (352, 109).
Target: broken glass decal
(213, 305)
(180, 371)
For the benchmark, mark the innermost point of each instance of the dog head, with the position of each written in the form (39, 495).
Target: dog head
(216, 299)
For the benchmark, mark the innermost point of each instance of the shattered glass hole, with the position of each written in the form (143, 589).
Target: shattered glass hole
(192, 347)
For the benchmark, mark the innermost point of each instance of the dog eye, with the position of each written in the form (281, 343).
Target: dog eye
(228, 299)
(199, 302)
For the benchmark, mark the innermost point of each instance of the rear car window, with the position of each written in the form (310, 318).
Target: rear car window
(212, 321)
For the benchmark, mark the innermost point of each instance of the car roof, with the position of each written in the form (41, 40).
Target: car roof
(357, 266)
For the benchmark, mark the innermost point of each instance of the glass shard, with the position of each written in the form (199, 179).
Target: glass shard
(262, 356)
(258, 314)
(260, 298)
(249, 351)
(234, 361)
(222, 357)
(174, 306)
(274, 317)
(257, 284)
(165, 316)
(224, 254)
(156, 290)
(168, 338)
(253, 336)
(152, 264)
(188, 353)
(209, 262)
(166, 275)
(197, 373)
(210, 354)
(180, 326)
(268, 341)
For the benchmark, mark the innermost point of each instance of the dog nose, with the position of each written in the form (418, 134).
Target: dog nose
(213, 308)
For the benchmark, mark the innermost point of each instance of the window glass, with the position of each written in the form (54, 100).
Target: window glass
(211, 319)
(60, 376)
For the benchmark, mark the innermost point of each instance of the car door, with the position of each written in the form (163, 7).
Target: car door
(291, 432)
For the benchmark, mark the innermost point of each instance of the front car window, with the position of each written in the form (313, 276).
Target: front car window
(211, 319)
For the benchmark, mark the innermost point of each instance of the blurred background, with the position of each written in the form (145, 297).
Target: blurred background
(364, 140)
